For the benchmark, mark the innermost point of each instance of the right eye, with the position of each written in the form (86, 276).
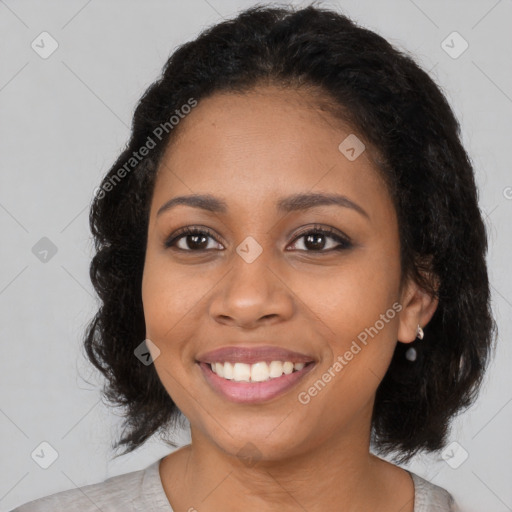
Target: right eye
(191, 240)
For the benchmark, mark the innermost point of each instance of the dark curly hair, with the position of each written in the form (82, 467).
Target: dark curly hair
(398, 111)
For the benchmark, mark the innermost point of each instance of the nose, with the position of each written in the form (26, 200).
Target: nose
(252, 294)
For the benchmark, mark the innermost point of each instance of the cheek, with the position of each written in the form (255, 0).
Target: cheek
(168, 294)
(169, 298)
(356, 312)
(370, 325)
(360, 309)
(352, 296)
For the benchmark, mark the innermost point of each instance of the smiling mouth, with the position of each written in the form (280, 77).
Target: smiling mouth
(249, 391)
(257, 372)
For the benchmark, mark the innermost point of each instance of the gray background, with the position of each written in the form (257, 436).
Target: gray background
(63, 121)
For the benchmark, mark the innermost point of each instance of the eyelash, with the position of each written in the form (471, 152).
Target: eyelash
(344, 242)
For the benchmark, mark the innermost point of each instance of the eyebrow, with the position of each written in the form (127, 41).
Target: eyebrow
(287, 204)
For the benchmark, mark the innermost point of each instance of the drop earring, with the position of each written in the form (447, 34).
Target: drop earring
(411, 353)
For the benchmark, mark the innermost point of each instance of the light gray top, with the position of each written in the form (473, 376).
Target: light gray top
(142, 491)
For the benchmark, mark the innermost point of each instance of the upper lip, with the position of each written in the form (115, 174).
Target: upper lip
(252, 355)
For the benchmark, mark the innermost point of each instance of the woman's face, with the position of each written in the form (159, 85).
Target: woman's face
(256, 279)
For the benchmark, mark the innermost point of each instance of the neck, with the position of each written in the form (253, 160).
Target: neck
(338, 473)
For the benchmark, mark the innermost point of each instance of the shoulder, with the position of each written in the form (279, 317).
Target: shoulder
(118, 493)
(431, 498)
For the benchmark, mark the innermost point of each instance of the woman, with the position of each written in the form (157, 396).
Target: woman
(293, 230)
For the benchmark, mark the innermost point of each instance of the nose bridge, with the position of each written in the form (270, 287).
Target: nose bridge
(252, 292)
(250, 268)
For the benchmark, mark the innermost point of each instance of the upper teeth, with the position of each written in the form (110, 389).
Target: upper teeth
(257, 372)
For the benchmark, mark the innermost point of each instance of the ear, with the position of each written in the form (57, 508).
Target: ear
(418, 307)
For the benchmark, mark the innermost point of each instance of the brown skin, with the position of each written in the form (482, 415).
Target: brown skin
(250, 150)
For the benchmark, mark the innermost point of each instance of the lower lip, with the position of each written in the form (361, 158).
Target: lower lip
(253, 392)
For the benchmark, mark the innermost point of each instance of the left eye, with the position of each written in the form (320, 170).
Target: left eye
(317, 240)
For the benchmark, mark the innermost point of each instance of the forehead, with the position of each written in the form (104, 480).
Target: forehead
(265, 143)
